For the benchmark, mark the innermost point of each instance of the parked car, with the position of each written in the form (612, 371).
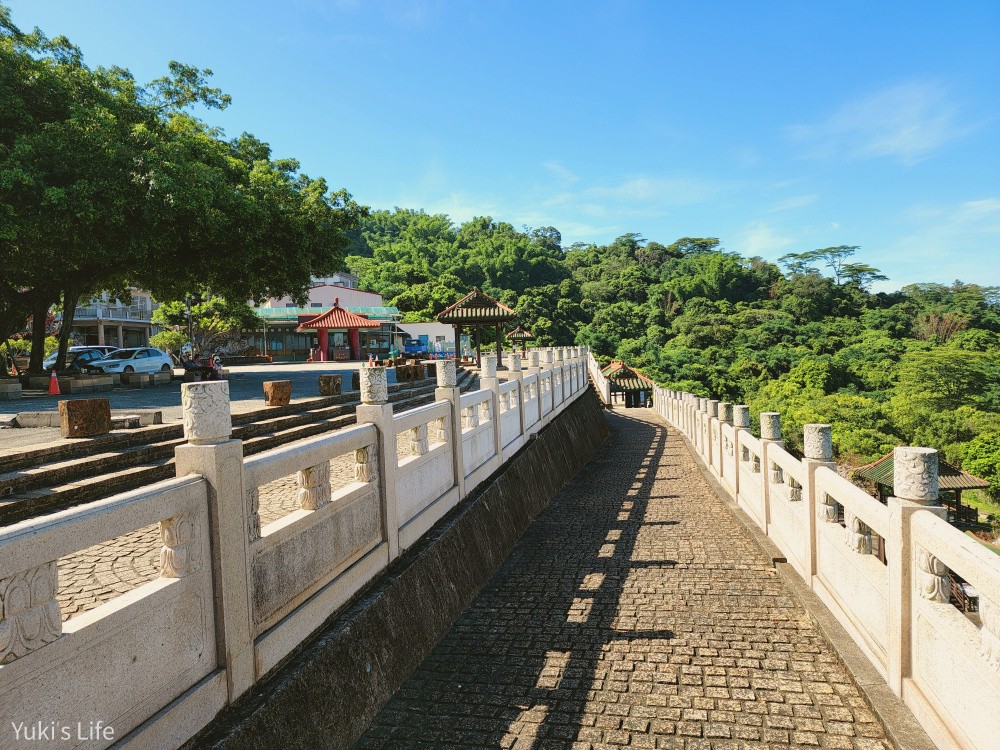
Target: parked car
(139, 359)
(78, 358)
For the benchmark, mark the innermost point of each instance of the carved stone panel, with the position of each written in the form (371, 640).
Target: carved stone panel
(915, 474)
(205, 408)
(314, 486)
(29, 612)
(178, 551)
(989, 634)
(932, 579)
(818, 442)
(770, 425)
(253, 513)
(447, 373)
(374, 385)
(489, 366)
(366, 464)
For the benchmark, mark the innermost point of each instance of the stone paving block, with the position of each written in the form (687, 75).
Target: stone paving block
(637, 612)
(84, 417)
(277, 392)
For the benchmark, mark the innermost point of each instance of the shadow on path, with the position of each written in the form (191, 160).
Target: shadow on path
(634, 611)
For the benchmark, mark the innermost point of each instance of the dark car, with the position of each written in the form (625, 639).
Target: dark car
(78, 358)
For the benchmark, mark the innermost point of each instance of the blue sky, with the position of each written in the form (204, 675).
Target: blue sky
(776, 126)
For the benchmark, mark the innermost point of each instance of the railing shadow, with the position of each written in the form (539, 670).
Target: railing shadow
(555, 625)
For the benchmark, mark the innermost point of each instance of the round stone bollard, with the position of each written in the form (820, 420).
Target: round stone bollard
(514, 364)
(489, 366)
(726, 412)
(447, 373)
(374, 385)
(818, 442)
(915, 475)
(206, 414)
(741, 416)
(770, 425)
(713, 408)
(533, 359)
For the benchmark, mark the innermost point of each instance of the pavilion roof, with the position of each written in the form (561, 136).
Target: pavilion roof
(337, 317)
(477, 307)
(520, 334)
(626, 378)
(949, 477)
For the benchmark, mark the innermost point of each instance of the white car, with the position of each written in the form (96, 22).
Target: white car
(140, 359)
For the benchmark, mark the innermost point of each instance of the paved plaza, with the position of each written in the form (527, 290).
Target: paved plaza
(636, 611)
(246, 393)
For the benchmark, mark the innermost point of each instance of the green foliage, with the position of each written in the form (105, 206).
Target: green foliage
(169, 341)
(212, 317)
(982, 458)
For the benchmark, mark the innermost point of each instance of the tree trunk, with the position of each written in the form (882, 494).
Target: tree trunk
(70, 298)
(39, 315)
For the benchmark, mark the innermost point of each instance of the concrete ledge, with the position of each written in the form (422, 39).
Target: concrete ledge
(327, 693)
(901, 726)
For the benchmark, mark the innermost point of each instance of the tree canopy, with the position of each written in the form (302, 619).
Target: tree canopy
(106, 184)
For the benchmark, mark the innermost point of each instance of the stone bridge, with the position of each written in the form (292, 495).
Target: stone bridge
(513, 567)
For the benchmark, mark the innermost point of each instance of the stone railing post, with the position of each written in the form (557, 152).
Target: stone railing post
(770, 434)
(376, 409)
(234, 522)
(488, 379)
(448, 390)
(726, 448)
(818, 442)
(915, 489)
(534, 358)
(547, 364)
(712, 424)
(514, 373)
(741, 426)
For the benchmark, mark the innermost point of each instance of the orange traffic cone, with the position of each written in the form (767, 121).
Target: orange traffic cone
(54, 385)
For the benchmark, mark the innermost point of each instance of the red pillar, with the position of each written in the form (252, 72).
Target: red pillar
(354, 339)
(323, 337)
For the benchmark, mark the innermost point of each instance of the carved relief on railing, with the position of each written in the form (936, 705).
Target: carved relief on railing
(827, 508)
(777, 475)
(932, 577)
(470, 417)
(366, 464)
(314, 486)
(794, 490)
(440, 430)
(253, 512)
(727, 447)
(177, 556)
(989, 634)
(755, 465)
(915, 474)
(859, 535)
(29, 612)
(417, 437)
(514, 401)
(744, 454)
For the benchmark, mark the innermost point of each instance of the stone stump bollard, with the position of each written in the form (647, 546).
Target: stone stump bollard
(84, 417)
(330, 385)
(277, 392)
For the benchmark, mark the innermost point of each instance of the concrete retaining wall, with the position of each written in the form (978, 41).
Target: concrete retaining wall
(328, 692)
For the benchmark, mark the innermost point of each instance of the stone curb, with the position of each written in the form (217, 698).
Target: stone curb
(901, 726)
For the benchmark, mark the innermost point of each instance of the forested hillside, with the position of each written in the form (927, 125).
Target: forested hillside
(808, 339)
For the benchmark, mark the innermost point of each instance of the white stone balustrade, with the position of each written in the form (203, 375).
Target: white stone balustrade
(897, 611)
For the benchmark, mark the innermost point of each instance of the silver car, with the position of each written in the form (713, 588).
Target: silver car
(139, 359)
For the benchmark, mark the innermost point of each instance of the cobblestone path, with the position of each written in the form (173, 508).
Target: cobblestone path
(635, 611)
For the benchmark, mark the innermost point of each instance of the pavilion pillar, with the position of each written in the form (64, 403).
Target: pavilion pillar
(324, 338)
(354, 341)
(479, 346)
(121, 336)
(100, 333)
(458, 342)
(499, 348)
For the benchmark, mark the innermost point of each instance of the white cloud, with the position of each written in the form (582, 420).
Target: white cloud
(560, 171)
(906, 122)
(760, 238)
(944, 243)
(796, 201)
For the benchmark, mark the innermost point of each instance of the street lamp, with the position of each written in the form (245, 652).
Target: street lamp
(189, 300)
